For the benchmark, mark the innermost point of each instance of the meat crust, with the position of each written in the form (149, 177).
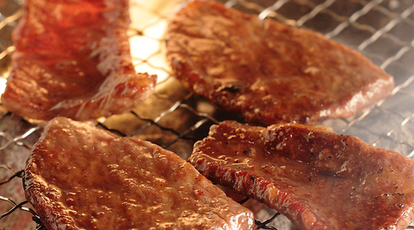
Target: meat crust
(317, 178)
(82, 177)
(268, 71)
(72, 59)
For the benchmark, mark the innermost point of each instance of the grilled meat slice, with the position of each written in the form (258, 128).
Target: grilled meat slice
(268, 71)
(73, 59)
(82, 177)
(317, 178)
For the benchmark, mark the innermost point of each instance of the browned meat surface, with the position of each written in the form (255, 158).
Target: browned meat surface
(268, 71)
(81, 177)
(73, 59)
(317, 178)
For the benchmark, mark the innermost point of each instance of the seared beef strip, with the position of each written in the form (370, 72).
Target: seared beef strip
(82, 177)
(73, 59)
(317, 178)
(268, 71)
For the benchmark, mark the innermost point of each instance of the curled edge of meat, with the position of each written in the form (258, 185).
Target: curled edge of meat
(115, 96)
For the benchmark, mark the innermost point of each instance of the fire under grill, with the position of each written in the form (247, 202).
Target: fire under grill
(174, 118)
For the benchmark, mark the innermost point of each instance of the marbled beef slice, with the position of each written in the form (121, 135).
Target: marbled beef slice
(267, 71)
(82, 177)
(317, 178)
(73, 59)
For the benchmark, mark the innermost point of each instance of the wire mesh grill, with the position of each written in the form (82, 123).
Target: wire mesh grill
(174, 118)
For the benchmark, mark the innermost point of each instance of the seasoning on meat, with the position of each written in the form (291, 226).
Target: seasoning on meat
(317, 178)
(73, 59)
(269, 72)
(81, 177)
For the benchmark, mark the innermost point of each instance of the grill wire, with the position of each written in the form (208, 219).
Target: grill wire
(174, 118)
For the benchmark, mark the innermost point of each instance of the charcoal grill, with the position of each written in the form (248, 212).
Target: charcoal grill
(174, 118)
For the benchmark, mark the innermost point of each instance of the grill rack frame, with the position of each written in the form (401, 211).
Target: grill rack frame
(395, 136)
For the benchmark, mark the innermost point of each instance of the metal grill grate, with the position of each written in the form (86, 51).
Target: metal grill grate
(174, 118)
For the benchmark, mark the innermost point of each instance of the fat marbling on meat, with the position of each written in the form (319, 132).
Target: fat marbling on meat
(317, 178)
(83, 177)
(267, 71)
(72, 58)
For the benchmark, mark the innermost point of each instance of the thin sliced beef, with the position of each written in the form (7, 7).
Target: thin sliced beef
(317, 178)
(268, 71)
(82, 177)
(73, 59)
